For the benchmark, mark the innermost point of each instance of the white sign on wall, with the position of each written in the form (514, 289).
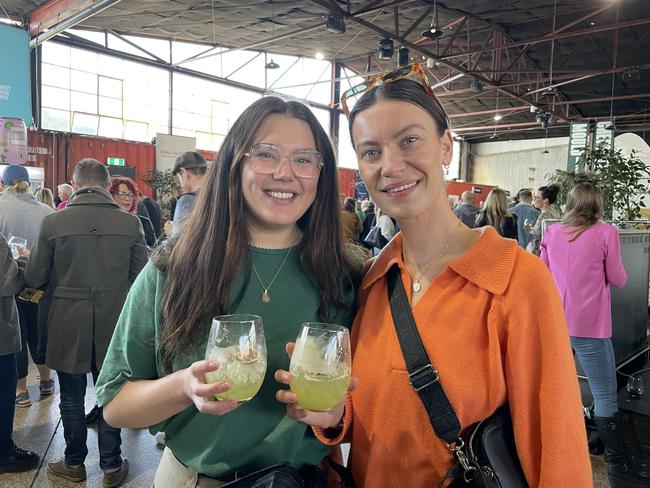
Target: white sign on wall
(169, 148)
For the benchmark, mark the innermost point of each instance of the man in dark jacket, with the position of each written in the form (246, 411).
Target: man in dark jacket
(89, 254)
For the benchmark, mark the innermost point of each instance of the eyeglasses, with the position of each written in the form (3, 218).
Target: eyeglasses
(387, 77)
(267, 158)
(125, 195)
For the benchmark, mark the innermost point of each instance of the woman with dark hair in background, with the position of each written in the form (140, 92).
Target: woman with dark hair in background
(264, 238)
(487, 312)
(495, 213)
(125, 193)
(584, 257)
(545, 197)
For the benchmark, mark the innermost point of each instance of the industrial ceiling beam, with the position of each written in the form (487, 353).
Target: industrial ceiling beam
(51, 13)
(566, 35)
(337, 10)
(62, 23)
(210, 52)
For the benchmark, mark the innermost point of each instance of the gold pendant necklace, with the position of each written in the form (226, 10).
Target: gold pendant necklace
(266, 296)
(417, 286)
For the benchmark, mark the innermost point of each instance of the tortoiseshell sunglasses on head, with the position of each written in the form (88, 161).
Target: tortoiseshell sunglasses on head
(387, 77)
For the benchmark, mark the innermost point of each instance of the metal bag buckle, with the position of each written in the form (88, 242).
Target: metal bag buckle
(423, 377)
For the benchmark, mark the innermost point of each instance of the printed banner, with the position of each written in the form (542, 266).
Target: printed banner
(169, 148)
(577, 143)
(15, 91)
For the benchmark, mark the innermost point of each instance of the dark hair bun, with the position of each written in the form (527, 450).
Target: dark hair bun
(550, 192)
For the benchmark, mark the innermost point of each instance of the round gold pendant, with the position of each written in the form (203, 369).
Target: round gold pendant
(416, 286)
(266, 298)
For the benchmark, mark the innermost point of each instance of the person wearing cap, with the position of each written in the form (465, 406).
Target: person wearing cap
(191, 169)
(21, 216)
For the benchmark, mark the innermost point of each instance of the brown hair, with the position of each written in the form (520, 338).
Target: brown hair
(213, 249)
(402, 90)
(584, 207)
(44, 195)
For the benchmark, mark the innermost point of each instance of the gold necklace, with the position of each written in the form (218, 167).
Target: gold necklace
(416, 286)
(266, 297)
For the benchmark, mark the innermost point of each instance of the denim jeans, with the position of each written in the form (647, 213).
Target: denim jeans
(596, 356)
(8, 378)
(73, 392)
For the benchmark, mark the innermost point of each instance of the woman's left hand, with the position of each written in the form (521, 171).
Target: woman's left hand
(295, 411)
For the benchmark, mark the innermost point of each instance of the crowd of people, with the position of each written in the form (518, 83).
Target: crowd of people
(263, 231)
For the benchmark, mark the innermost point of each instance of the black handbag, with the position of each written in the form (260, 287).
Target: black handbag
(281, 476)
(485, 456)
(375, 238)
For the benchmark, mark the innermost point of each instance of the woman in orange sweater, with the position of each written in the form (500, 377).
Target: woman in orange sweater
(488, 314)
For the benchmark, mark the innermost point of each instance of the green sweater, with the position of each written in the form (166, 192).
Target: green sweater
(258, 433)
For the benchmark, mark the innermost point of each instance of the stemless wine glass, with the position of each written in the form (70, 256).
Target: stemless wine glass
(635, 386)
(321, 366)
(237, 343)
(16, 243)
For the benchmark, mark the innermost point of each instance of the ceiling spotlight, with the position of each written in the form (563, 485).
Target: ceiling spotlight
(611, 127)
(498, 117)
(386, 48)
(402, 56)
(320, 55)
(459, 138)
(335, 24)
(494, 136)
(631, 73)
(430, 63)
(476, 86)
(550, 92)
(592, 23)
(271, 65)
(432, 32)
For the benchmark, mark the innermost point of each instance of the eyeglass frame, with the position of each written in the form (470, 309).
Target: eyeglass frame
(124, 195)
(283, 157)
(414, 68)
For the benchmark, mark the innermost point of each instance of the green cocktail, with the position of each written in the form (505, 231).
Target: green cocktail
(321, 366)
(245, 374)
(320, 392)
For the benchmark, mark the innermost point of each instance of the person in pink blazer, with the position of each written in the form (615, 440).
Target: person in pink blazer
(584, 257)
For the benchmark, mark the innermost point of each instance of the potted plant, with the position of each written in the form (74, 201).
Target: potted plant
(165, 184)
(622, 180)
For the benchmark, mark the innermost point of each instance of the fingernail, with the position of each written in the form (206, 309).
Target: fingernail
(213, 365)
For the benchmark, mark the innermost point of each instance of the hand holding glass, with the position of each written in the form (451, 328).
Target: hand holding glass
(17, 244)
(321, 366)
(237, 343)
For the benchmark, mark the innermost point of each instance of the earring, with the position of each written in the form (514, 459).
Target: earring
(446, 170)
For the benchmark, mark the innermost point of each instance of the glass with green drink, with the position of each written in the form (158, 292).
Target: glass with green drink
(237, 343)
(321, 366)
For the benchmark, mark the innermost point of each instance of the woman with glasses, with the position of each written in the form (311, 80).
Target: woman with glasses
(488, 315)
(263, 239)
(125, 193)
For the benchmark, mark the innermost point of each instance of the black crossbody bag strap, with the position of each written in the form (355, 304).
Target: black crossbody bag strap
(422, 376)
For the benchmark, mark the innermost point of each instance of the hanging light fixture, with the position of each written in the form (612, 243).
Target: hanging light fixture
(403, 56)
(386, 48)
(272, 64)
(551, 92)
(433, 32)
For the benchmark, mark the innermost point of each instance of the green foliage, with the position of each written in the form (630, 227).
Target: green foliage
(622, 180)
(165, 183)
(568, 179)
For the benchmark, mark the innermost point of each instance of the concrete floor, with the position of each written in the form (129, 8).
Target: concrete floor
(39, 428)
